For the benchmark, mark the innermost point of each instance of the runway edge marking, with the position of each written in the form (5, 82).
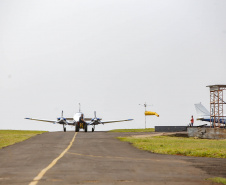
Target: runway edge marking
(42, 173)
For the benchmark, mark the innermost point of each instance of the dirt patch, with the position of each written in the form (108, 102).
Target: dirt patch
(177, 134)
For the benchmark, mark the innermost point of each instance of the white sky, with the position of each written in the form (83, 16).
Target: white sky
(109, 56)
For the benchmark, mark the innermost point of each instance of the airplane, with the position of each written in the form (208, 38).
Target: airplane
(79, 121)
(204, 114)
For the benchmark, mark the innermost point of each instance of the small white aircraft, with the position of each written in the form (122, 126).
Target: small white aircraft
(79, 121)
(204, 114)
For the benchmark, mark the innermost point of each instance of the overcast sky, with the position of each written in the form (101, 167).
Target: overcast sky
(110, 56)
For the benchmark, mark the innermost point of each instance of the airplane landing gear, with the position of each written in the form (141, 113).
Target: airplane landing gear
(76, 127)
(64, 128)
(85, 127)
(93, 128)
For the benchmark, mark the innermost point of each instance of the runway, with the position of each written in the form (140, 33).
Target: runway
(99, 158)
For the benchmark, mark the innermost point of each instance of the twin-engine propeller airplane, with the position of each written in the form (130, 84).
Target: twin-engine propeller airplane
(79, 121)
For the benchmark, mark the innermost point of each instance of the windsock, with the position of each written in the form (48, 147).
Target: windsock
(149, 113)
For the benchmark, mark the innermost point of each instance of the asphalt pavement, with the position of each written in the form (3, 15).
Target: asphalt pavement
(99, 158)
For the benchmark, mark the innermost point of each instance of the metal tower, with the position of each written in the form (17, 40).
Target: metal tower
(216, 104)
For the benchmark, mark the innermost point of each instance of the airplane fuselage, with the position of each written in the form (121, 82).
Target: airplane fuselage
(207, 118)
(78, 117)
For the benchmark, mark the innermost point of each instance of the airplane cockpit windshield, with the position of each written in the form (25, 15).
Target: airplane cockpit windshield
(78, 115)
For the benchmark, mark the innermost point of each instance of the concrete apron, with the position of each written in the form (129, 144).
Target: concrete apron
(207, 133)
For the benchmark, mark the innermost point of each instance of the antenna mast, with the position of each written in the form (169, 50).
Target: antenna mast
(79, 107)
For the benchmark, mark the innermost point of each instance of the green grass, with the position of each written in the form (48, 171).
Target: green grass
(134, 130)
(180, 146)
(218, 180)
(9, 137)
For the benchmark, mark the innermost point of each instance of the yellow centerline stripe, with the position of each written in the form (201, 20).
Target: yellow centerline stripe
(42, 173)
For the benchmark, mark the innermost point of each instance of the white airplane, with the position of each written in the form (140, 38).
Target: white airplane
(79, 121)
(204, 114)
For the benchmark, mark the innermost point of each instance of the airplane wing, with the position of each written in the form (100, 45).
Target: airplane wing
(70, 119)
(87, 119)
(113, 121)
(51, 121)
(116, 121)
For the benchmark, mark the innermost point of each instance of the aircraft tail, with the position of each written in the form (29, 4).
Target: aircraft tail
(201, 110)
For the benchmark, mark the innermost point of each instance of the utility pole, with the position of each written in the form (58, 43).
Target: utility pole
(145, 105)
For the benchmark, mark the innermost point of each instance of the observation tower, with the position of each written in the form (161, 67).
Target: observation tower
(217, 105)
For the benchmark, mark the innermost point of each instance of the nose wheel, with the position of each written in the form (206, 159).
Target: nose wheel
(93, 128)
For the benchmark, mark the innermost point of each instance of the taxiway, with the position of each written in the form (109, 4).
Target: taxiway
(99, 158)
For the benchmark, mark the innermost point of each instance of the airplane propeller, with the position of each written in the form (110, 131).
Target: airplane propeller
(95, 119)
(62, 118)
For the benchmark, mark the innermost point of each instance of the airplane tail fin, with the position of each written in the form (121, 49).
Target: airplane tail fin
(201, 110)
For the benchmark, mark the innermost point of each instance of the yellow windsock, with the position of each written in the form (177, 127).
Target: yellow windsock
(149, 113)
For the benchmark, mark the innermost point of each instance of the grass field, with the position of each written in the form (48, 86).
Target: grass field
(134, 130)
(180, 146)
(9, 137)
(218, 180)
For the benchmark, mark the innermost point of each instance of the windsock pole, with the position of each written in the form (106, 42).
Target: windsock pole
(145, 105)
